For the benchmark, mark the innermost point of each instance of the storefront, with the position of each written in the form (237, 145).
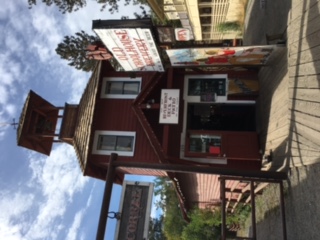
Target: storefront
(216, 129)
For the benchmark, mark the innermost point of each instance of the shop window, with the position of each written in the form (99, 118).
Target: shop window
(107, 142)
(123, 88)
(203, 86)
(203, 145)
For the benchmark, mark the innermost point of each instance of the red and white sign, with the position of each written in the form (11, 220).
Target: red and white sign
(169, 106)
(134, 49)
(182, 34)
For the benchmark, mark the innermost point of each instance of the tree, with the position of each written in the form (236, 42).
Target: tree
(173, 222)
(73, 5)
(73, 49)
(63, 5)
(156, 229)
(202, 225)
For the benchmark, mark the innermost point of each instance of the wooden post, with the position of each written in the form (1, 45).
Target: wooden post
(283, 214)
(253, 211)
(106, 198)
(223, 208)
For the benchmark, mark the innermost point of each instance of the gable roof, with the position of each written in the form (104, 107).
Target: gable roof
(141, 98)
(85, 117)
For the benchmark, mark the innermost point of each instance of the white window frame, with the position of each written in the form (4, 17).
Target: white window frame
(119, 79)
(95, 149)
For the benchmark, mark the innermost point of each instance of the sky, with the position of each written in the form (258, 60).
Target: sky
(45, 197)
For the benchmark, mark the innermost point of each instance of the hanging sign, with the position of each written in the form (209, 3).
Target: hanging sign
(135, 209)
(182, 34)
(134, 49)
(169, 106)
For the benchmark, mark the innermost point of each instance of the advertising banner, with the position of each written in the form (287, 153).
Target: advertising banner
(134, 48)
(234, 56)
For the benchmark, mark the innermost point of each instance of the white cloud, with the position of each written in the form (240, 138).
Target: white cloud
(4, 95)
(7, 9)
(13, 206)
(13, 42)
(59, 178)
(72, 233)
(37, 208)
(10, 109)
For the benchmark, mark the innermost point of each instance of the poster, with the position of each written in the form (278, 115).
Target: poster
(229, 56)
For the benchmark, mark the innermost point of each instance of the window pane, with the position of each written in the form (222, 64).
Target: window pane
(114, 87)
(124, 143)
(131, 88)
(198, 86)
(107, 142)
(205, 143)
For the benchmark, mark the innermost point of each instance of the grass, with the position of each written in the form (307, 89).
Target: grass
(266, 204)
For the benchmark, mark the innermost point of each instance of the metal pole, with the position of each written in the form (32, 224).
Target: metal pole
(106, 198)
(283, 214)
(223, 208)
(247, 179)
(253, 211)
(261, 175)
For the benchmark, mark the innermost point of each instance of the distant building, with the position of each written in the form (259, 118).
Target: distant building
(201, 17)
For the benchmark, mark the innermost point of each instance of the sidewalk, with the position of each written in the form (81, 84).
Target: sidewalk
(259, 21)
(289, 111)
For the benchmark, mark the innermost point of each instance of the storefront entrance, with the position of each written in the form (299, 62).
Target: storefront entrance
(221, 117)
(221, 130)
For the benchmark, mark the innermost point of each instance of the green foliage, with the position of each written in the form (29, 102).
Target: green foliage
(73, 5)
(73, 49)
(144, 14)
(240, 215)
(173, 222)
(229, 26)
(204, 223)
(155, 229)
(201, 225)
(63, 5)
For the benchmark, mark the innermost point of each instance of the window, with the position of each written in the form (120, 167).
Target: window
(107, 142)
(200, 86)
(205, 143)
(122, 88)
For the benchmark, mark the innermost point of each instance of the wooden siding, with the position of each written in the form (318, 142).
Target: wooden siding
(118, 115)
(203, 190)
(290, 103)
(68, 123)
(176, 81)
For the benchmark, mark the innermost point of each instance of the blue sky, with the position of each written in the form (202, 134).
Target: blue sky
(44, 197)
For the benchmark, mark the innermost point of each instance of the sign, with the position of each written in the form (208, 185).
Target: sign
(243, 86)
(135, 210)
(169, 106)
(234, 56)
(165, 34)
(182, 34)
(134, 48)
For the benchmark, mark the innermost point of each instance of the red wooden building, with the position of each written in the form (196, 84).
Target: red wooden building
(123, 112)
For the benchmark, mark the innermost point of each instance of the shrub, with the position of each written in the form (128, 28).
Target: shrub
(229, 26)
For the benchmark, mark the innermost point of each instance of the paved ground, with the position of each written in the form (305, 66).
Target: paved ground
(303, 185)
(271, 18)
